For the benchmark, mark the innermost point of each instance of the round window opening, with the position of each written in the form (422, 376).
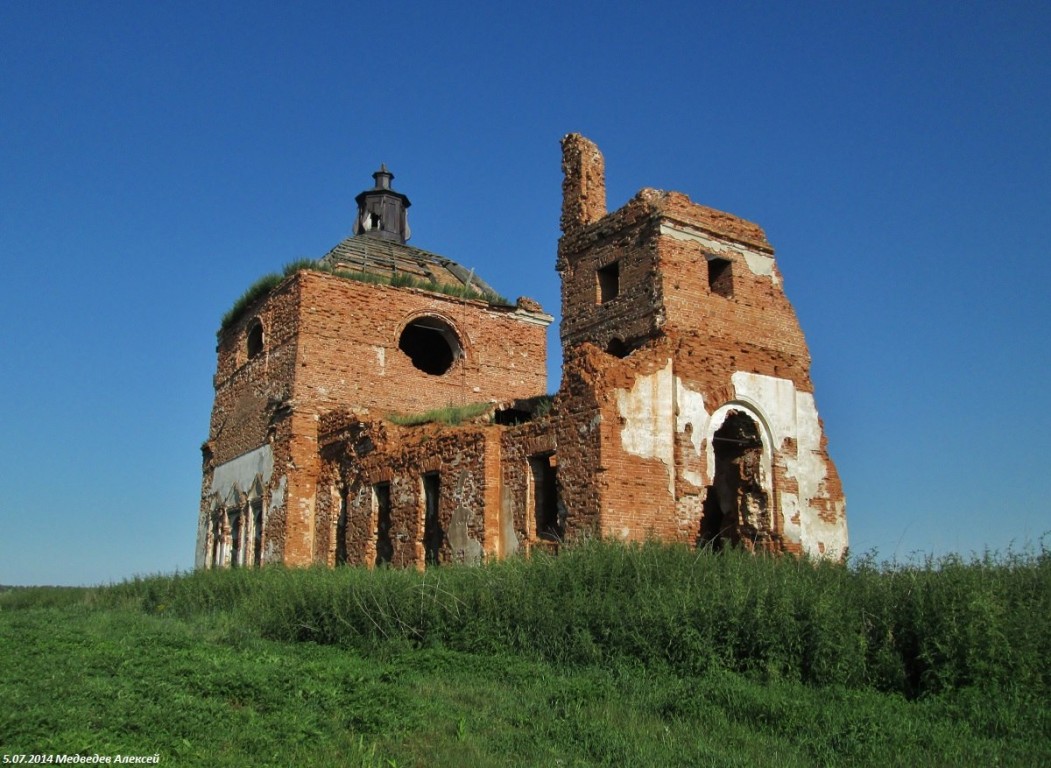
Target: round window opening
(431, 344)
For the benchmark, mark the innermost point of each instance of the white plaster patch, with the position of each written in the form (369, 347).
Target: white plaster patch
(648, 413)
(791, 521)
(775, 398)
(811, 474)
(690, 411)
(238, 475)
(760, 264)
(792, 414)
(381, 359)
(277, 498)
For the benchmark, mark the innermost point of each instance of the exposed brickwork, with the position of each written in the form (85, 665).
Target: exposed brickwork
(348, 348)
(686, 410)
(361, 455)
(699, 328)
(583, 183)
(330, 342)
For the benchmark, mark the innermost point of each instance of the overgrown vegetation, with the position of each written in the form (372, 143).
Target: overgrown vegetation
(268, 282)
(912, 631)
(252, 294)
(606, 654)
(450, 414)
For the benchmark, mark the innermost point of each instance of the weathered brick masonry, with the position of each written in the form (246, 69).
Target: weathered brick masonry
(686, 410)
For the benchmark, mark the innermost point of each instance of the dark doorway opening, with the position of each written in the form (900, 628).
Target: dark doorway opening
(617, 348)
(255, 339)
(721, 277)
(608, 279)
(736, 506)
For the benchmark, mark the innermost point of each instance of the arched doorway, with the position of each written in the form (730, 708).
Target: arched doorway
(737, 505)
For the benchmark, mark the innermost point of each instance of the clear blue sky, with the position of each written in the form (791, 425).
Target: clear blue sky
(155, 158)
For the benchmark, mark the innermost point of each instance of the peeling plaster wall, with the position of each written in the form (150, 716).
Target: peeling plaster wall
(796, 433)
(228, 484)
(691, 419)
(647, 413)
(661, 411)
(760, 264)
(239, 474)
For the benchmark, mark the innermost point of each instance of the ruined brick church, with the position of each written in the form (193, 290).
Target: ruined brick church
(686, 410)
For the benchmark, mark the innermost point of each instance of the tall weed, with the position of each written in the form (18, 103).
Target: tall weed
(941, 625)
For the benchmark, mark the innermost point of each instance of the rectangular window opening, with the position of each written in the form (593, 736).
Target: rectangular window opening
(257, 532)
(217, 540)
(235, 538)
(720, 277)
(608, 282)
(543, 470)
(341, 530)
(381, 503)
(432, 529)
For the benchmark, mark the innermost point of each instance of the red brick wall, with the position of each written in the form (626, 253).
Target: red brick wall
(348, 353)
(624, 238)
(755, 330)
(247, 392)
(363, 454)
(332, 343)
(669, 314)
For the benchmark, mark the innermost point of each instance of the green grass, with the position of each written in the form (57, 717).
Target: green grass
(451, 414)
(252, 294)
(604, 655)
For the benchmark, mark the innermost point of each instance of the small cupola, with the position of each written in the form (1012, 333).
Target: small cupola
(382, 212)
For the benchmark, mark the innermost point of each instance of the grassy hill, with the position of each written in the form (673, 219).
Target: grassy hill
(605, 655)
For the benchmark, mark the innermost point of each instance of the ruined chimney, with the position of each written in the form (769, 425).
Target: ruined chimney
(583, 183)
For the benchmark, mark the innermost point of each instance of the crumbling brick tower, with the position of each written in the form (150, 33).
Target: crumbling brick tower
(687, 410)
(375, 326)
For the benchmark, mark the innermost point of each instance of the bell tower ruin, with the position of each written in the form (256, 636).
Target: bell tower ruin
(687, 378)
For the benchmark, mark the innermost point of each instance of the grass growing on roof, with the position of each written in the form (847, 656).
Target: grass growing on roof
(268, 282)
(450, 414)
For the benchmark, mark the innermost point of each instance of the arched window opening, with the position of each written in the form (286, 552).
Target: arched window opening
(736, 509)
(236, 532)
(255, 339)
(217, 538)
(431, 344)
